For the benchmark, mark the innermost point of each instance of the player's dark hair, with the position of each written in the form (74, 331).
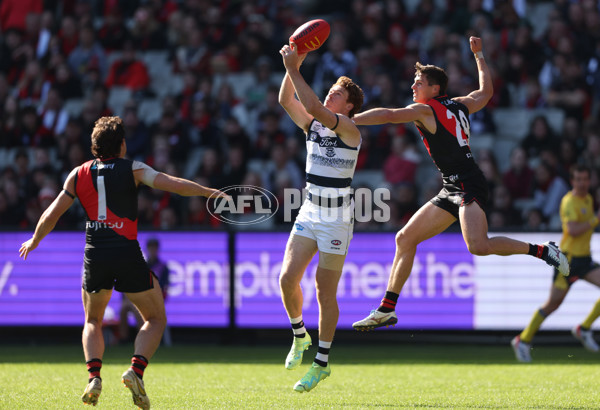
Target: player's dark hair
(434, 75)
(355, 94)
(107, 137)
(579, 168)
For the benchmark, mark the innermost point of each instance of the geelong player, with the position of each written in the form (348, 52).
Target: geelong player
(107, 188)
(326, 218)
(578, 223)
(444, 126)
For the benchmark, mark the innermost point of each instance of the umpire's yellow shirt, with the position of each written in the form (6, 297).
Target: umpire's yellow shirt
(576, 209)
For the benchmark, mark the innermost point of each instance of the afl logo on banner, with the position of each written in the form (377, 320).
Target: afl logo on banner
(246, 205)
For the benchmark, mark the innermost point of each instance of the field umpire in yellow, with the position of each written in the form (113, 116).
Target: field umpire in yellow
(578, 223)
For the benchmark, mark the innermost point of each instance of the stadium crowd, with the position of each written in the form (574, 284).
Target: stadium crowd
(196, 83)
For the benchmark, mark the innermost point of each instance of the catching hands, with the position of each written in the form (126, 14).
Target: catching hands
(291, 59)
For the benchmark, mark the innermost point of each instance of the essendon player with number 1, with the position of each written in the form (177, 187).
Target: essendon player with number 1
(107, 188)
(444, 126)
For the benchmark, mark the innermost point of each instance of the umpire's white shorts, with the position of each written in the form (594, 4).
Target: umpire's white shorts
(331, 228)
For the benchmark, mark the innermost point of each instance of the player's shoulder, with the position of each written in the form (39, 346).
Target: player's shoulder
(568, 200)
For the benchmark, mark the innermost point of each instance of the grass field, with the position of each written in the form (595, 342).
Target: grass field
(363, 376)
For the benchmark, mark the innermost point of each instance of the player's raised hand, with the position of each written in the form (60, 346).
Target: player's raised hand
(291, 59)
(476, 44)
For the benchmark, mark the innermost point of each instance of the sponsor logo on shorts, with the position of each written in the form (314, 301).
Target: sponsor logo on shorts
(336, 242)
(299, 227)
(95, 225)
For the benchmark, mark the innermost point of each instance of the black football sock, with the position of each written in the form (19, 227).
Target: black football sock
(93, 367)
(388, 303)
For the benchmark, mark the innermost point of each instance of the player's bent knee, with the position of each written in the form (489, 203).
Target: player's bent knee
(287, 283)
(404, 241)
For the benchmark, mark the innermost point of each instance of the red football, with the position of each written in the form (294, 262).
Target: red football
(310, 36)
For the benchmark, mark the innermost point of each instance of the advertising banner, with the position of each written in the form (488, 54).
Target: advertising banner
(46, 289)
(440, 292)
(448, 288)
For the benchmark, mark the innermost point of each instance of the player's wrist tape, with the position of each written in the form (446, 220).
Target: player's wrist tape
(594, 222)
(479, 54)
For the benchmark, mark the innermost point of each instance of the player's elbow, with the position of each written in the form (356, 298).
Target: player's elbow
(487, 93)
(285, 102)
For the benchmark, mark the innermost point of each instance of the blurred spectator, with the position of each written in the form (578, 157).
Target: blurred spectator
(194, 54)
(68, 35)
(540, 137)
(137, 134)
(14, 211)
(569, 92)
(88, 60)
(591, 154)
(176, 133)
(167, 218)
(487, 162)
(31, 84)
(549, 189)
(30, 129)
(210, 168)
(14, 12)
(280, 164)
(335, 62)
(401, 165)
(100, 97)
(203, 130)
(405, 202)
(197, 213)
(518, 179)
(269, 133)
(146, 30)
(235, 167)
(65, 83)
(535, 221)
(128, 71)
(501, 202)
(54, 117)
(113, 33)
(15, 54)
(10, 121)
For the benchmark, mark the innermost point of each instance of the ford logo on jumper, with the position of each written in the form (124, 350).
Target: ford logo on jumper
(246, 205)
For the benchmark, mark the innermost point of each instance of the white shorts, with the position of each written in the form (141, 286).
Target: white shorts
(331, 228)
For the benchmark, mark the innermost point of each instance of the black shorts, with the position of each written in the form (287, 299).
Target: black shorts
(580, 267)
(460, 190)
(122, 268)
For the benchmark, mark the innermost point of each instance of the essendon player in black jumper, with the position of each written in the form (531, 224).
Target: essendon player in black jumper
(445, 129)
(107, 188)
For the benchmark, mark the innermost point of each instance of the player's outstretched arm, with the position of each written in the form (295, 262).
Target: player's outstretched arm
(184, 187)
(51, 215)
(478, 99)
(376, 116)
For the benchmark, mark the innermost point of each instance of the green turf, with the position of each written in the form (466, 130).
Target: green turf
(363, 376)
